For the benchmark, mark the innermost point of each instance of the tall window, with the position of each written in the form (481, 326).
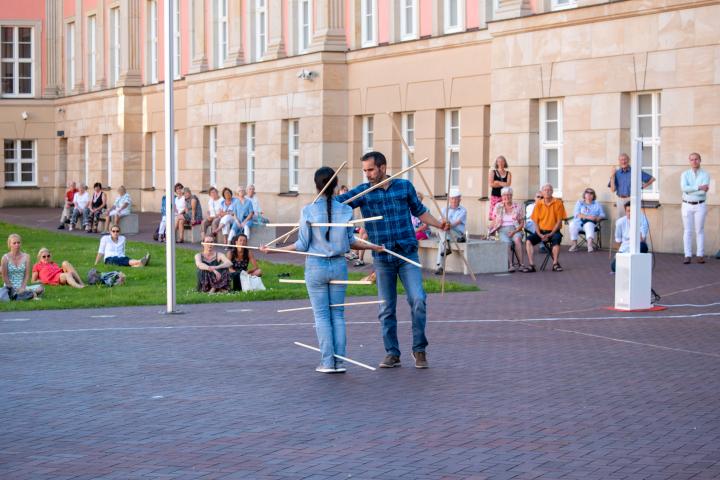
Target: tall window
(152, 42)
(153, 159)
(176, 154)
(452, 148)
(212, 154)
(408, 133)
(293, 155)
(260, 28)
(368, 25)
(70, 56)
(20, 162)
(368, 133)
(109, 155)
(304, 25)
(16, 54)
(176, 37)
(551, 141)
(250, 153)
(114, 46)
(645, 128)
(221, 32)
(86, 160)
(92, 51)
(454, 15)
(408, 19)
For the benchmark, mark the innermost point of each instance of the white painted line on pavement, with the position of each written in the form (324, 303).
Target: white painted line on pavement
(16, 320)
(103, 316)
(239, 310)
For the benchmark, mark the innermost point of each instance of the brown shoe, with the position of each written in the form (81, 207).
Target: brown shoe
(699, 259)
(390, 361)
(686, 260)
(420, 360)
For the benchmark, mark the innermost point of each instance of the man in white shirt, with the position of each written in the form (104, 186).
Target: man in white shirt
(112, 248)
(213, 212)
(258, 217)
(694, 184)
(457, 218)
(81, 200)
(622, 233)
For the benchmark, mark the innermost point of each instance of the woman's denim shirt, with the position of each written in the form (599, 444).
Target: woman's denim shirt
(312, 239)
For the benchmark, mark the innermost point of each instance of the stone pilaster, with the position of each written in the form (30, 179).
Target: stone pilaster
(129, 44)
(53, 40)
(329, 32)
(276, 44)
(100, 46)
(236, 56)
(512, 9)
(79, 86)
(199, 62)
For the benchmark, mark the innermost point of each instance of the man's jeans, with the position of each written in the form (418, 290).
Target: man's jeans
(85, 212)
(387, 272)
(329, 322)
(454, 235)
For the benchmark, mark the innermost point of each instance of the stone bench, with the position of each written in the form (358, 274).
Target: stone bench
(261, 235)
(129, 224)
(193, 233)
(483, 256)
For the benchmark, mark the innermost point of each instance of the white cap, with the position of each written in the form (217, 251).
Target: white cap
(454, 192)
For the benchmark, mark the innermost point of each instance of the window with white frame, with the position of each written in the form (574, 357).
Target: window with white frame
(368, 133)
(645, 127)
(250, 153)
(108, 156)
(70, 55)
(153, 159)
(293, 155)
(304, 25)
(86, 160)
(177, 40)
(408, 133)
(212, 154)
(92, 51)
(20, 162)
(551, 142)
(408, 19)
(260, 28)
(221, 32)
(152, 42)
(16, 58)
(176, 154)
(452, 148)
(563, 4)
(368, 23)
(114, 46)
(454, 16)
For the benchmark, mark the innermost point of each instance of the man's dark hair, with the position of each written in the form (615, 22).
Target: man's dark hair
(627, 204)
(178, 185)
(376, 157)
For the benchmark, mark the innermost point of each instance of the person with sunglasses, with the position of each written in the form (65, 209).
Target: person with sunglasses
(112, 247)
(588, 212)
(49, 273)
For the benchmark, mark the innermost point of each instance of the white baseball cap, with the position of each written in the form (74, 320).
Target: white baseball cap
(454, 192)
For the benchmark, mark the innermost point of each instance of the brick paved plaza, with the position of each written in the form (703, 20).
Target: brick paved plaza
(531, 378)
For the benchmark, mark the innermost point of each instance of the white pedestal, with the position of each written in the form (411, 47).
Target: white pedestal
(633, 281)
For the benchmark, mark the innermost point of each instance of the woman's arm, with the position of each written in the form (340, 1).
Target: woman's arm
(491, 179)
(35, 277)
(4, 268)
(509, 179)
(226, 263)
(199, 264)
(252, 261)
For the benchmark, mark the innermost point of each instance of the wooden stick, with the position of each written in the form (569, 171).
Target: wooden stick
(285, 236)
(389, 252)
(332, 282)
(269, 249)
(349, 360)
(447, 234)
(368, 219)
(312, 224)
(373, 302)
(380, 184)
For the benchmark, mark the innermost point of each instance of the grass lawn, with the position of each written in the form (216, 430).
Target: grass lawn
(146, 286)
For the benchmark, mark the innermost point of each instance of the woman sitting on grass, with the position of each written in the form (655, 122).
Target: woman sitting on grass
(112, 247)
(15, 266)
(49, 273)
(212, 273)
(241, 259)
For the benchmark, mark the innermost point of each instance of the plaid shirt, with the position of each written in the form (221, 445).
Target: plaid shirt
(395, 204)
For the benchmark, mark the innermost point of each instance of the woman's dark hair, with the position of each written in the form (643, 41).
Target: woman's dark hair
(234, 254)
(376, 157)
(98, 185)
(591, 192)
(226, 189)
(323, 175)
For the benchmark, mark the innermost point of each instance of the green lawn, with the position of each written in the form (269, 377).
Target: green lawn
(146, 286)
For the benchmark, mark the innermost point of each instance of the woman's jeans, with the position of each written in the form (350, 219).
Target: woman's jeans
(387, 272)
(329, 322)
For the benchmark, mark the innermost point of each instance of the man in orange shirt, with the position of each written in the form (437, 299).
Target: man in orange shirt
(68, 205)
(548, 216)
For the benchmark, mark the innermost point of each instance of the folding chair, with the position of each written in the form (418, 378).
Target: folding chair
(548, 254)
(582, 241)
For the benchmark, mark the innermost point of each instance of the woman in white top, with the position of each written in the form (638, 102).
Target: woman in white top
(81, 200)
(213, 212)
(112, 247)
(181, 207)
(121, 208)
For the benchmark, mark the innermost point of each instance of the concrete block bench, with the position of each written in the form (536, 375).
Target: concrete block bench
(193, 233)
(483, 256)
(261, 235)
(129, 224)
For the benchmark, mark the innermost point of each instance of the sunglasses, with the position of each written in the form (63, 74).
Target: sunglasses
(539, 196)
(45, 256)
(115, 231)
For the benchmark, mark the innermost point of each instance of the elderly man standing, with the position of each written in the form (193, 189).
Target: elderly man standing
(457, 218)
(395, 201)
(695, 184)
(548, 216)
(620, 182)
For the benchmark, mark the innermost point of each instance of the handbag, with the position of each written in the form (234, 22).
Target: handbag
(250, 282)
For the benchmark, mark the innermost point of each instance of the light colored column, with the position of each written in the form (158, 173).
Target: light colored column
(236, 56)
(276, 44)
(100, 66)
(512, 9)
(79, 86)
(53, 41)
(129, 44)
(199, 61)
(329, 32)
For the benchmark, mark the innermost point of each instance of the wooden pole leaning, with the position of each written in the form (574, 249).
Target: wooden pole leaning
(380, 184)
(389, 252)
(447, 235)
(280, 250)
(350, 223)
(349, 360)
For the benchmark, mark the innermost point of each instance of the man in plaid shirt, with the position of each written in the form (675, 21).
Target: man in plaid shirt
(395, 201)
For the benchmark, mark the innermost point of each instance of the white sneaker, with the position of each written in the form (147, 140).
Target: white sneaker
(573, 248)
(590, 248)
(324, 369)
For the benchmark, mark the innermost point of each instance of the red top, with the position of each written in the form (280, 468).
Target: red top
(70, 194)
(49, 273)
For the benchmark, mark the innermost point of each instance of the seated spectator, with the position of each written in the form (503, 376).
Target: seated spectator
(529, 224)
(49, 273)
(211, 222)
(181, 209)
(258, 217)
(588, 213)
(81, 200)
(227, 215)
(509, 223)
(98, 204)
(548, 216)
(243, 215)
(67, 205)
(161, 230)
(15, 267)
(422, 230)
(212, 273)
(343, 189)
(241, 259)
(622, 233)
(112, 247)
(121, 208)
(457, 217)
(193, 212)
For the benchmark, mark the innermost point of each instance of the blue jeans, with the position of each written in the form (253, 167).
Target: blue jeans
(329, 322)
(387, 272)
